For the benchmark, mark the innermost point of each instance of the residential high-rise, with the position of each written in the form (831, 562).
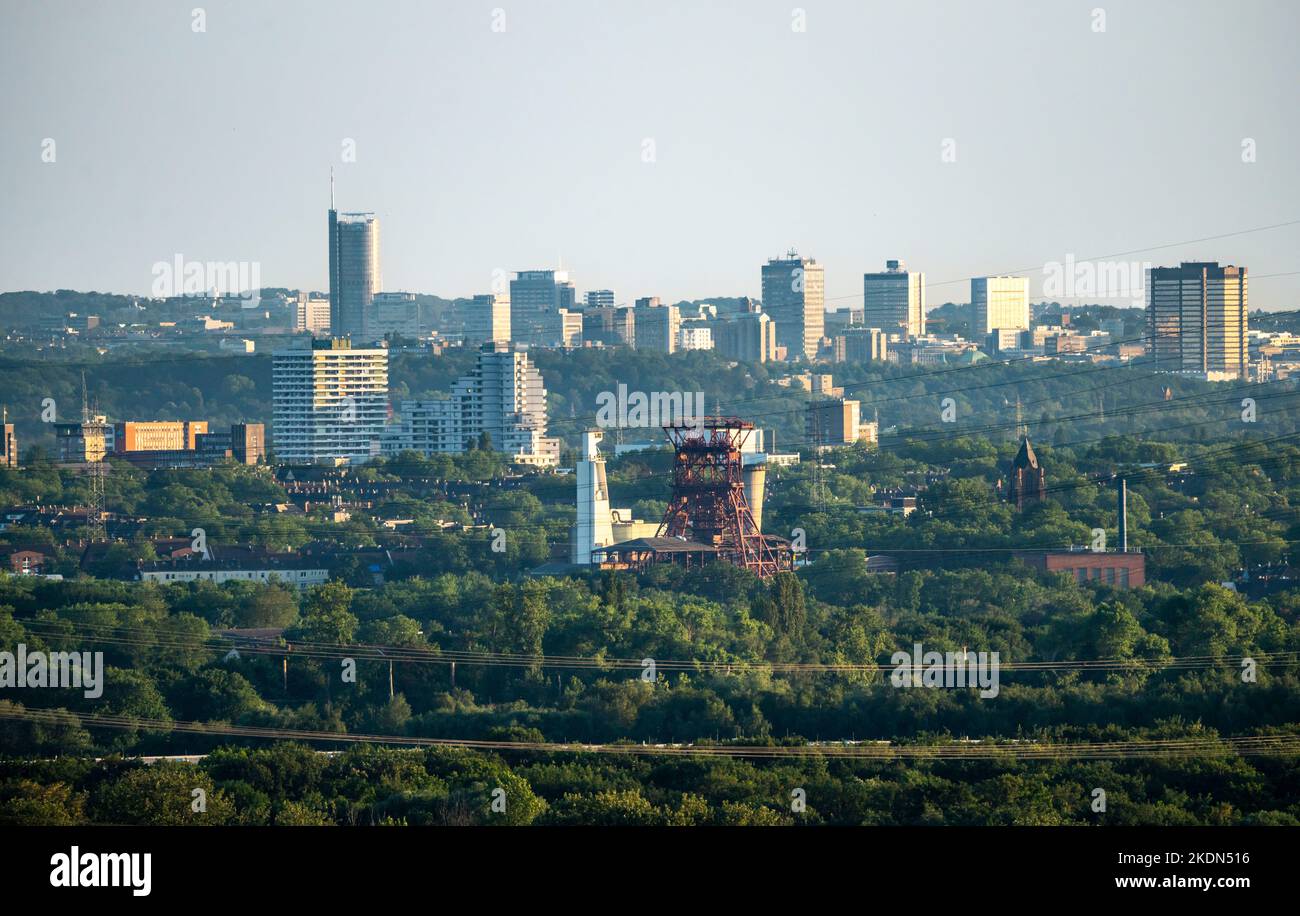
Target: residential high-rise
(354, 274)
(535, 294)
(894, 300)
(488, 319)
(1196, 317)
(998, 302)
(329, 402)
(503, 397)
(794, 296)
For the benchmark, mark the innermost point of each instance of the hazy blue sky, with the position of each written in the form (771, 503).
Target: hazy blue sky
(484, 150)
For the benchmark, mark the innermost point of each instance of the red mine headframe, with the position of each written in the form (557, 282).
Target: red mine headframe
(708, 503)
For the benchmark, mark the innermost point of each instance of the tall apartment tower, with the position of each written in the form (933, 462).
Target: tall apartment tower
(894, 300)
(535, 296)
(998, 302)
(354, 273)
(503, 397)
(488, 319)
(1196, 318)
(794, 296)
(329, 402)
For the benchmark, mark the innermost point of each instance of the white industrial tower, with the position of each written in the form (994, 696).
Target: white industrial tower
(594, 529)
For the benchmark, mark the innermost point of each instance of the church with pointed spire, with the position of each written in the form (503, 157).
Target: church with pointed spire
(1027, 481)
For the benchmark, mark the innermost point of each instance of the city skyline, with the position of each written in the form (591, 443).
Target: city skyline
(633, 188)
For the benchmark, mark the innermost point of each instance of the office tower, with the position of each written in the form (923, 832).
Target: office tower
(248, 443)
(894, 300)
(865, 344)
(594, 528)
(600, 299)
(329, 402)
(794, 296)
(657, 326)
(156, 435)
(1196, 318)
(832, 422)
(311, 314)
(609, 326)
(354, 273)
(488, 319)
(998, 302)
(504, 398)
(648, 302)
(748, 336)
(9, 455)
(535, 294)
(397, 314)
(695, 335)
(562, 328)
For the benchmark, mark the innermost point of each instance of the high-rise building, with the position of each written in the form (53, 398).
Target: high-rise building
(329, 402)
(894, 300)
(998, 302)
(248, 443)
(794, 296)
(609, 326)
(311, 314)
(354, 274)
(695, 335)
(86, 441)
(657, 326)
(865, 344)
(600, 299)
(833, 422)
(504, 398)
(1196, 317)
(9, 444)
(394, 313)
(534, 294)
(748, 336)
(488, 319)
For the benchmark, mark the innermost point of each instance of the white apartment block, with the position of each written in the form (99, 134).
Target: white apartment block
(329, 402)
(504, 397)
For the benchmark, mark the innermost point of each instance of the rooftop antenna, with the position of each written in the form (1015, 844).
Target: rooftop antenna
(331, 187)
